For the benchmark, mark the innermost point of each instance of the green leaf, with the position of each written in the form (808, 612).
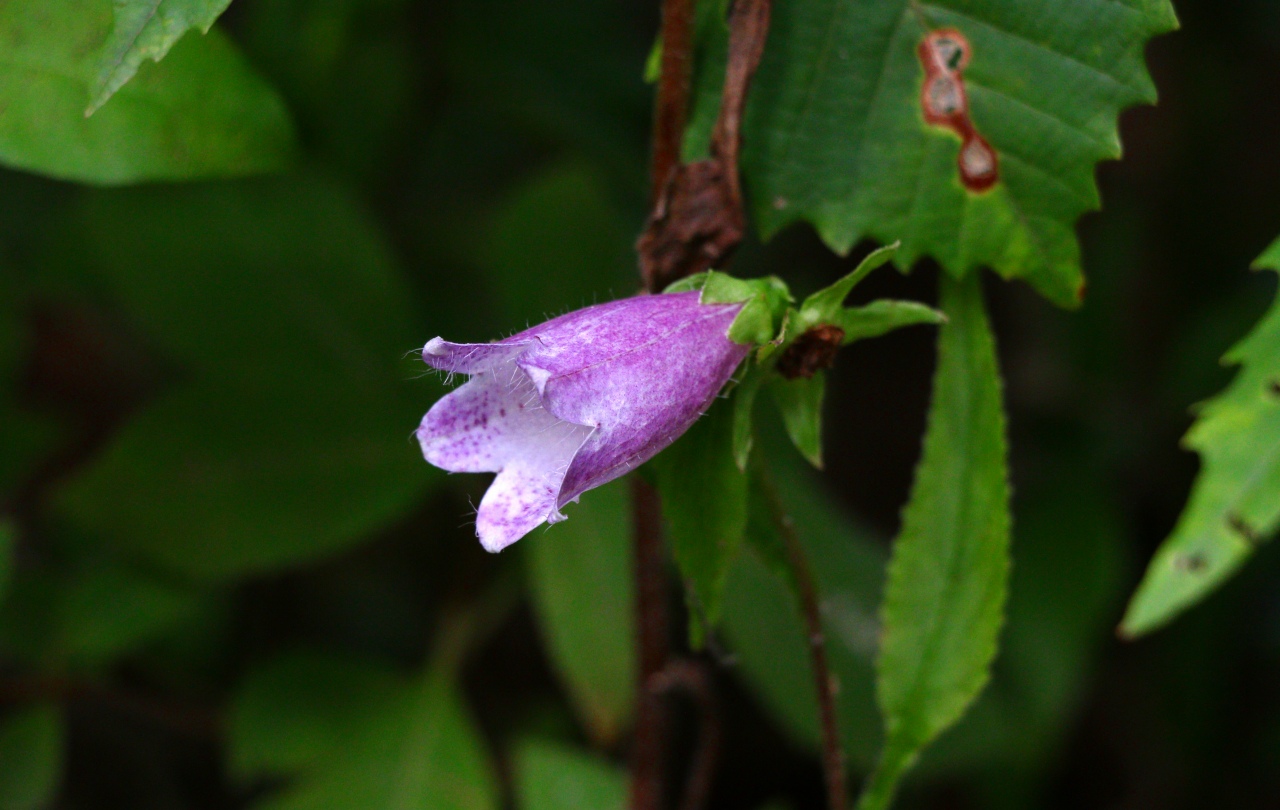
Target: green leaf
(762, 622)
(825, 305)
(1235, 501)
(947, 580)
(762, 317)
(834, 132)
(1065, 586)
(881, 317)
(89, 615)
(704, 500)
(800, 401)
(6, 556)
(104, 611)
(202, 113)
(296, 710)
(146, 29)
(744, 401)
(558, 226)
(30, 757)
(286, 433)
(551, 776)
(418, 750)
(580, 578)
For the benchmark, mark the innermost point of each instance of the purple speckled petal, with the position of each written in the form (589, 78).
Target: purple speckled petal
(575, 402)
(471, 358)
(496, 423)
(641, 381)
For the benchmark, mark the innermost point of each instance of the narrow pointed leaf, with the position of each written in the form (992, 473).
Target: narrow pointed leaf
(948, 577)
(1235, 501)
(881, 317)
(744, 400)
(146, 29)
(825, 305)
(800, 402)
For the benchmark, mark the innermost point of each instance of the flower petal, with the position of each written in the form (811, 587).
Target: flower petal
(642, 400)
(492, 419)
(470, 358)
(518, 500)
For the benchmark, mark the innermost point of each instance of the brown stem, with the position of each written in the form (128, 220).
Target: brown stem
(672, 109)
(648, 760)
(748, 29)
(694, 679)
(824, 683)
(698, 218)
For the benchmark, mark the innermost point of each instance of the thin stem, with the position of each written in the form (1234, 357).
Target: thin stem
(694, 679)
(672, 108)
(807, 593)
(748, 30)
(648, 756)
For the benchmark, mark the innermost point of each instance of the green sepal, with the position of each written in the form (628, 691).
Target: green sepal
(824, 305)
(800, 402)
(881, 317)
(744, 400)
(767, 300)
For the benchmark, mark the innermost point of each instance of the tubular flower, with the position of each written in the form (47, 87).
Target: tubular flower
(575, 402)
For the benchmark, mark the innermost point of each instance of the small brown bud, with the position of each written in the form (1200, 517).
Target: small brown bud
(811, 352)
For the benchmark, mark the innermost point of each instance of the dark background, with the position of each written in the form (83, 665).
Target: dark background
(500, 150)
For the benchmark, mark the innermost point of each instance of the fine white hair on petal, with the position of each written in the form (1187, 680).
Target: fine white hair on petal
(574, 402)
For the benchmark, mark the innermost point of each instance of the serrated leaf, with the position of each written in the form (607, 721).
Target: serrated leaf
(835, 134)
(948, 577)
(1066, 582)
(30, 757)
(881, 317)
(581, 582)
(146, 29)
(285, 436)
(419, 750)
(203, 112)
(826, 304)
(552, 776)
(1235, 501)
(800, 402)
(704, 501)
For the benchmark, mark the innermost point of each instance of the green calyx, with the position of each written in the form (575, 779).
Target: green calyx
(770, 321)
(767, 302)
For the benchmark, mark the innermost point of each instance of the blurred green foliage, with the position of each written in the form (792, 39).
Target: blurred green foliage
(228, 580)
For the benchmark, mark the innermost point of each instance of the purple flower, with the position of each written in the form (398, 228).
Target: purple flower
(575, 402)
